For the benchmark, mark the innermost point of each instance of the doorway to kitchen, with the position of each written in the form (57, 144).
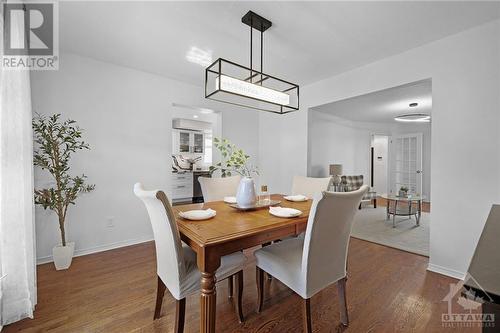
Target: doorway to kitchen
(193, 130)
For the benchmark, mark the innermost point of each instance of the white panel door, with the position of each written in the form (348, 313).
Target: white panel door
(407, 163)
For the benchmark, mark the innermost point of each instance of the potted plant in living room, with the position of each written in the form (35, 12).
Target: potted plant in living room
(403, 192)
(55, 142)
(234, 160)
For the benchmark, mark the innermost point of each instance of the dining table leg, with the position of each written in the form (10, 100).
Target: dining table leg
(208, 264)
(208, 302)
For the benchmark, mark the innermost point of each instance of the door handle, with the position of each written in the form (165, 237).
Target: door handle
(419, 171)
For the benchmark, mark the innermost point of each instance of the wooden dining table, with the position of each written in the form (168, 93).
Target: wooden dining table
(232, 230)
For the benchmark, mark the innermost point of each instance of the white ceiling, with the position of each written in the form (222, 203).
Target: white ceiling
(382, 106)
(308, 41)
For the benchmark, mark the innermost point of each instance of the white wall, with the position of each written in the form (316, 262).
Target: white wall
(465, 73)
(126, 115)
(283, 149)
(336, 141)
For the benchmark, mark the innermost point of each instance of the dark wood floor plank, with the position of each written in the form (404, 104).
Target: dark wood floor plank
(114, 291)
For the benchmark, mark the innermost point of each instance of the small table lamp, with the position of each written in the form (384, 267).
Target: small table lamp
(336, 172)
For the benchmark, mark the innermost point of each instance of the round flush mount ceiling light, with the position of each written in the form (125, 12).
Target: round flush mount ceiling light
(414, 117)
(412, 105)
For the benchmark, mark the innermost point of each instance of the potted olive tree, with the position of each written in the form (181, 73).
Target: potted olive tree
(55, 142)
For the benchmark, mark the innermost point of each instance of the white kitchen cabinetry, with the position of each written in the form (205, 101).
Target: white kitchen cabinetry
(185, 141)
(182, 186)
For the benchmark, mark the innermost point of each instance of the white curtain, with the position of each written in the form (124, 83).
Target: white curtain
(17, 230)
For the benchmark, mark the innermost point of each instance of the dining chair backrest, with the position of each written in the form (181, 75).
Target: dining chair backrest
(215, 189)
(326, 239)
(169, 259)
(309, 186)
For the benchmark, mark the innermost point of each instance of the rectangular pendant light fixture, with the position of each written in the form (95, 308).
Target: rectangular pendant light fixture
(229, 82)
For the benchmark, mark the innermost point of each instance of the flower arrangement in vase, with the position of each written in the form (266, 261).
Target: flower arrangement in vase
(236, 161)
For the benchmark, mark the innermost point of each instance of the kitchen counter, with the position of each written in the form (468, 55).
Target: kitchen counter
(185, 186)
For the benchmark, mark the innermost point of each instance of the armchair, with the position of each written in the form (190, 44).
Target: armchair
(353, 183)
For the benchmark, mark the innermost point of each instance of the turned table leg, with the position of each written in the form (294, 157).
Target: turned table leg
(208, 260)
(207, 303)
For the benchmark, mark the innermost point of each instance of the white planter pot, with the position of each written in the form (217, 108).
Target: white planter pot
(245, 196)
(63, 255)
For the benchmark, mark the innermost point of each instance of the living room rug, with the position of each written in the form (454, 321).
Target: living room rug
(371, 224)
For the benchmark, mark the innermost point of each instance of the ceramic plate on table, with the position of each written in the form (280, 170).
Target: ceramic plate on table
(284, 212)
(296, 198)
(197, 215)
(230, 200)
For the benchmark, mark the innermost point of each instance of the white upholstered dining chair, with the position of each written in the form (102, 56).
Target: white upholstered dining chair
(176, 262)
(309, 264)
(309, 186)
(215, 189)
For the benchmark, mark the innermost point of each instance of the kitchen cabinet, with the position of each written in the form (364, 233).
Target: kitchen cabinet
(182, 187)
(198, 143)
(185, 141)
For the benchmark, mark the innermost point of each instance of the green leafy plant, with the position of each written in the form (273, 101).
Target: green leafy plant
(403, 189)
(234, 160)
(56, 141)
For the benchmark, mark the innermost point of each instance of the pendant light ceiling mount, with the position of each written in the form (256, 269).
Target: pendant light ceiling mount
(229, 82)
(256, 21)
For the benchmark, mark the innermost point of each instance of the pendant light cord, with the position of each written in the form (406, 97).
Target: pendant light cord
(251, 50)
(261, 53)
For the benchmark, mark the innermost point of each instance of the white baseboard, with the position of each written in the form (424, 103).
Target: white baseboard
(446, 271)
(100, 248)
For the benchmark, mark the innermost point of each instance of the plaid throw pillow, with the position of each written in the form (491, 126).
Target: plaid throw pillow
(351, 183)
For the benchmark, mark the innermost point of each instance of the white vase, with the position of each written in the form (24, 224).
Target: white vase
(63, 255)
(245, 196)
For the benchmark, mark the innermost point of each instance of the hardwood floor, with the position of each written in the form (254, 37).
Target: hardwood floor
(387, 291)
